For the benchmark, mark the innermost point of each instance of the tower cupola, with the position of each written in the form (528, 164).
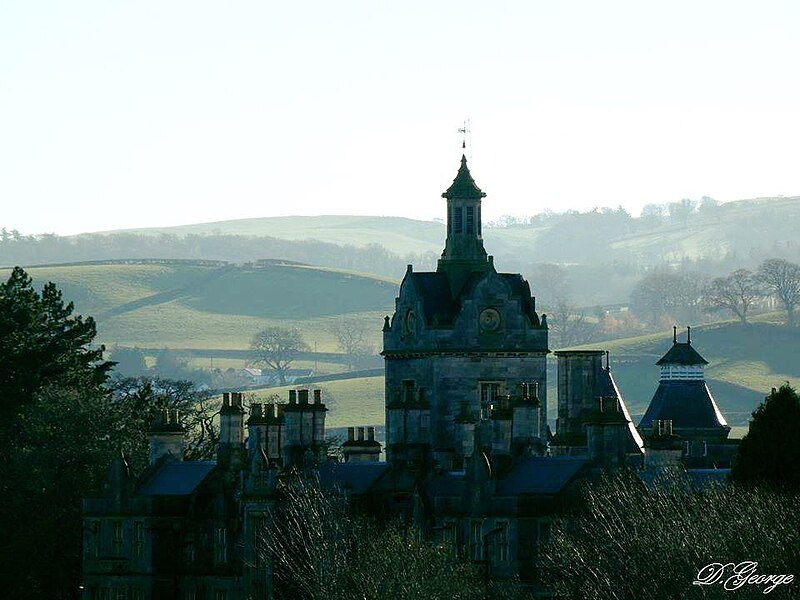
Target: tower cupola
(463, 252)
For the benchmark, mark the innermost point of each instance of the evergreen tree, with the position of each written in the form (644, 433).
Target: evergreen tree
(42, 343)
(770, 452)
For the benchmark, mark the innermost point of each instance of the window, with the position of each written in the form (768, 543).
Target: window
(458, 215)
(476, 540)
(449, 221)
(137, 594)
(116, 538)
(221, 545)
(93, 542)
(490, 392)
(450, 535)
(221, 595)
(470, 219)
(479, 220)
(137, 551)
(120, 594)
(686, 448)
(502, 542)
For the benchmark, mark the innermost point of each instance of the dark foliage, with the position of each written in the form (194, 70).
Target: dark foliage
(42, 344)
(770, 452)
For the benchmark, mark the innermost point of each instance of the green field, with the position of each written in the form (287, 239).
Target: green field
(184, 305)
(349, 401)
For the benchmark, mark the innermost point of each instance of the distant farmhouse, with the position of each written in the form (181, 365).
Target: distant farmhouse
(469, 455)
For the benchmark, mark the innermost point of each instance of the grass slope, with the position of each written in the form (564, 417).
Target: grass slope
(745, 362)
(706, 234)
(349, 401)
(184, 305)
(396, 233)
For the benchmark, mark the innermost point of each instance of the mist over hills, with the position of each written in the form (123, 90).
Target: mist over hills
(604, 251)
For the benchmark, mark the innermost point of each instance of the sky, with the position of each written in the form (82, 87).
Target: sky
(121, 114)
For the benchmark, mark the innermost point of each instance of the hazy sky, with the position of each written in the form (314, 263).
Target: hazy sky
(126, 114)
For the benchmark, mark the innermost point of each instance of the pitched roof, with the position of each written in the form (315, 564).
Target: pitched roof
(682, 353)
(463, 185)
(355, 477)
(434, 288)
(177, 478)
(442, 308)
(540, 475)
(609, 389)
(688, 404)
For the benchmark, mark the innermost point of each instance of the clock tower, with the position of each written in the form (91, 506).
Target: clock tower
(464, 353)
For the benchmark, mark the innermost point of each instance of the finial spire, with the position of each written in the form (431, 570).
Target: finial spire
(608, 360)
(688, 335)
(674, 334)
(464, 131)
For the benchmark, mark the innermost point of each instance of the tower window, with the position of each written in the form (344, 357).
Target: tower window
(458, 215)
(116, 539)
(479, 220)
(470, 219)
(138, 539)
(449, 221)
(490, 393)
(220, 545)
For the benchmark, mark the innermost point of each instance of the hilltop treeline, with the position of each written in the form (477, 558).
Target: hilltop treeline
(31, 250)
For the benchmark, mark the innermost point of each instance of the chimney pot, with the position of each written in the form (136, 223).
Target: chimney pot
(292, 396)
(371, 434)
(255, 409)
(280, 408)
(360, 434)
(303, 396)
(351, 434)
(226, 399)
(317, 396)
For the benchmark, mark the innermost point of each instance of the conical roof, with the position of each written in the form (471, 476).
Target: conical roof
(682, 354)
(463, 186)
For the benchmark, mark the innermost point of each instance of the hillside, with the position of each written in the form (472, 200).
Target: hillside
(745, 362)
(738, 227)
(397, 234)
(184, 304)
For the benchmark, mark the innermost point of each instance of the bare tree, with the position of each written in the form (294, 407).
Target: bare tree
(663, 293)
(782, 279)
(352, 338)
(277, 347)
(322, 548)
(735, 293)
(569, 324)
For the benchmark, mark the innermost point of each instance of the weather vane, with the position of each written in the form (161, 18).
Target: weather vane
(464, 131)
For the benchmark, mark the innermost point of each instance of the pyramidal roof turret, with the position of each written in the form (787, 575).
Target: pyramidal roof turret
(463, 186)
(682, 353)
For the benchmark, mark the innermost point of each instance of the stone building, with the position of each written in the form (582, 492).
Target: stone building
(469, 455)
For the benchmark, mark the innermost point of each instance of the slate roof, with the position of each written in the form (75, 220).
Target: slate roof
(544, 475)
(682, 353)
(177, 478)
(434, 289)
(609, 389)
(689, 404)
(355, 477)
(438, 303)
(463, 185)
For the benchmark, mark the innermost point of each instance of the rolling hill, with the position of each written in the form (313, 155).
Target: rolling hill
(189, 304)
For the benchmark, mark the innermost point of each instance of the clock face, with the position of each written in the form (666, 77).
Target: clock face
(411, 322)
(489, 319)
